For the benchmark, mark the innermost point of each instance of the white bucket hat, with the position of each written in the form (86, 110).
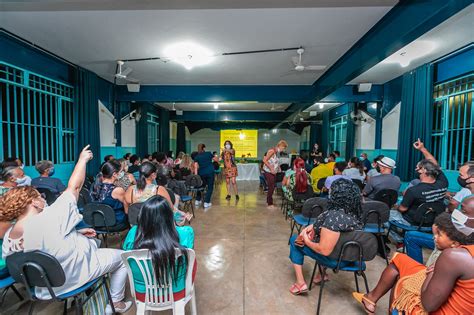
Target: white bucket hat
(387, 162)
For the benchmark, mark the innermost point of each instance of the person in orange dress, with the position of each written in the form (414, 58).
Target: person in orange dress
(230, 169)
(447, 286)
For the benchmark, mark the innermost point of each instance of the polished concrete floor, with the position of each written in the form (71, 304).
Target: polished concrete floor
(243, 265)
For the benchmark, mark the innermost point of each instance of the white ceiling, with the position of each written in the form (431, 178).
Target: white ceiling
(95, 39)
(231, 106)
(454, 33)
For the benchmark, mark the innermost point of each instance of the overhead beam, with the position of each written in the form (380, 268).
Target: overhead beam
(228, 116)
(407, 21)
(218, 93)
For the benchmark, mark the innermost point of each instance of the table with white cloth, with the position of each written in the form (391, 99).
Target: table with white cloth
(248, 171)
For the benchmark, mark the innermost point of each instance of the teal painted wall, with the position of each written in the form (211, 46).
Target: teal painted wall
(117, 152)
(188, 147)
(61, 171)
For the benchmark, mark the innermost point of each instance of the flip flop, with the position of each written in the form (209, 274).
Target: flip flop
(301, 289)
(363, 300)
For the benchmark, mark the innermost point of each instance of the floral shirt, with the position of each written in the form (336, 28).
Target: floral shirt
(337, 221)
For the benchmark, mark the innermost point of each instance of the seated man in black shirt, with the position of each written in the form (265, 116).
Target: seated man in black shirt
(135, 164)
(432, 188)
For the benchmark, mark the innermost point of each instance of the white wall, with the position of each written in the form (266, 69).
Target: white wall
(107, 126)
(128, 131)
(390, 126)
(266, 139)
(365, 133)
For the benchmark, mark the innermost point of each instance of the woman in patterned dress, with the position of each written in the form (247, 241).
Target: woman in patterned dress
(230, 169)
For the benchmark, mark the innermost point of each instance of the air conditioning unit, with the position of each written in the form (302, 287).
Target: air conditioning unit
(179, 112)
(133, 87)
(364, 87)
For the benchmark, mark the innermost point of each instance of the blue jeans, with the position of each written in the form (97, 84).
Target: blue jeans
(207, 180)
(396, 216)
(297, 253)
(414, 243)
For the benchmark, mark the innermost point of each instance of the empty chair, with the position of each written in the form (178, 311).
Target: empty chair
(158, 295)
(38, 269)
(359, 183)
(102, 218)
(375, 215)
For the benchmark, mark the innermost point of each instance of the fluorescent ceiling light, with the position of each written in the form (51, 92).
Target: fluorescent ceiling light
(275, 131)
(216, 106)
(373, 105)
(411, 52)
(188, 54)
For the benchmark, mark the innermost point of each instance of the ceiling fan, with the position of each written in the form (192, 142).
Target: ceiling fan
(297, 61)
(122, 74)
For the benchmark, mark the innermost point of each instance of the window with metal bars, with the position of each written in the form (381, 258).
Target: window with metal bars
(338, 134)
(153, 133)
(453, 122)
(37, 117)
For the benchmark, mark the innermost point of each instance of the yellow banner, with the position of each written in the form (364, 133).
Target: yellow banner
(245, 142)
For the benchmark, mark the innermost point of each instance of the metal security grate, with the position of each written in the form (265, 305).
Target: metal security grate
(37, 117)
(153, 133)
(338, 134)
(453, 122)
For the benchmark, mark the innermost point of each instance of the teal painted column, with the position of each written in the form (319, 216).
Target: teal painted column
(181, 138)
(164, 130)
(325, 134)
(378, 127)
(315, 135)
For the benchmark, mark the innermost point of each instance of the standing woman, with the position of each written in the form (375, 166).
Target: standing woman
(230, 169)
(271, 166)
(204, 168)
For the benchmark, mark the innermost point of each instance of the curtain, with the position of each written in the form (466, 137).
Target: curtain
(415, 118)
(164, 130)
(142, 131)
(87, 116)
(350, 136)
(180, 138)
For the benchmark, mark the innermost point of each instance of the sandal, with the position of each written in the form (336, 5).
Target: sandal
(318, 282)
(298, 289)
(362, 299)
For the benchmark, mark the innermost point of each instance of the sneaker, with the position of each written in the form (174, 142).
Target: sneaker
(207, 205)
(197, 203)
(128, 305)
(227, 197)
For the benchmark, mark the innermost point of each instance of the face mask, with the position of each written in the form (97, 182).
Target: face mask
(377, 168)
(459, 220)
(362, 158)
(51, 172)
(461, 181)
(227, 146)
(20, 181)
(326, 160)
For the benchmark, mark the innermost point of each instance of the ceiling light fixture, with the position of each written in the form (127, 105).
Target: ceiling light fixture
(216, 106)
(373, 105)
(188, 54)
(242, 136)
(274, 131)
(321, 105)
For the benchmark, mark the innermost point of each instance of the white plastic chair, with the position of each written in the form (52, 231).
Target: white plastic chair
(159, 297)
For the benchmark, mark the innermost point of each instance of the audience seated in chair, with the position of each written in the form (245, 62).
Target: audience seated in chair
(432, 188)
(466, 181)
(385, 179)
(343, 214)
(108, 193)
(125, 179)
(355, 170)
(46, 171)
(339, 168)
(16, 162)
(52, 229)
(445, 287)
(373, 171)
(134, 164)
(298, 182)
(157, 232)
(10, 177)
(320, 170)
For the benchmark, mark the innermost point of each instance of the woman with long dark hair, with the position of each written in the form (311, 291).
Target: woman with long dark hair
(343, 214)
(106, 192)
(157, 232)
(230, 169)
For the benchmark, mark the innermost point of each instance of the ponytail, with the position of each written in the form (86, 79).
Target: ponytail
(301, 176)
(146, 170)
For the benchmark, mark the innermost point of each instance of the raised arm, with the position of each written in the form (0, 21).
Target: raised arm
(420, 146)
(79, 173)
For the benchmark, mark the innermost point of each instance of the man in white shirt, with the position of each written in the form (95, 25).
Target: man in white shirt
(466, 181)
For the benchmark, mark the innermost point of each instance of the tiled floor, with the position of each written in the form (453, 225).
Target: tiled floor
(243, 265)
